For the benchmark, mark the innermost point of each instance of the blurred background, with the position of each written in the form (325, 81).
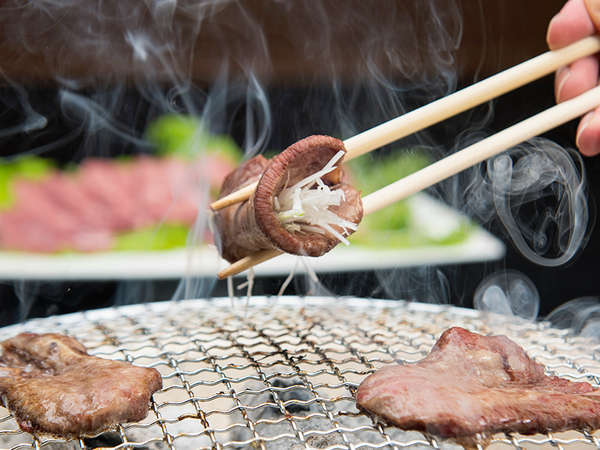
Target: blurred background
(118, 121)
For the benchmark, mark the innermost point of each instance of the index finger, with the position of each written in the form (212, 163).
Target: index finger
(572, 23)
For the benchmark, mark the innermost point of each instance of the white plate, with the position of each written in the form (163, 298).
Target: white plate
(479, 246)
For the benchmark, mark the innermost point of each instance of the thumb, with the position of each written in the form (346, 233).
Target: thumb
(593, 8)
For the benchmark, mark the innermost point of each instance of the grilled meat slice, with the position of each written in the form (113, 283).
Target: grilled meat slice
(253, 225)
(471, 384)
(52, 386)
(84, 210)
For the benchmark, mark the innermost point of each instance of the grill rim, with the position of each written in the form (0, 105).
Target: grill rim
(132, 313)
(259, 301)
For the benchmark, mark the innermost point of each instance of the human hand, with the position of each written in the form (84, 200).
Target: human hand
(576, 20)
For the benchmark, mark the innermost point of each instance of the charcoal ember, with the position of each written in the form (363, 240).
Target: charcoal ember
(299, 403)
(293, 397)
(312, 419)
(108, 439)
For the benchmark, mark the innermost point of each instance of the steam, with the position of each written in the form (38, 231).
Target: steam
(45, 298)
(508, 293)
(538, 191)
(312, 283)
(96, 118)
(400, 71)
(25, 293)
(511, 294)
(581, 316)
(31, 120)
(115, 66)
(423, 284)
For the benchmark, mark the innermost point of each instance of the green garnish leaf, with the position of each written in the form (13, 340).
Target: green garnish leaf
(26, 167)
(392, 227)
(186, 137)
(163, 237)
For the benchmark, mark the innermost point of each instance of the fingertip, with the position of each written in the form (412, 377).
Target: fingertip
(593, 9)
(553, 37)
(588, 134)
(579, 77)
(562, 75)
(571, 24)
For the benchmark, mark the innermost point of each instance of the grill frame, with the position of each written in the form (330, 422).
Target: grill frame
(225, 369)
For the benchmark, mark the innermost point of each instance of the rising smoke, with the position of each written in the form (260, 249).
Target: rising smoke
(269, 73)
(508, 293)
(581, 316)
(546, 182)
(538, 192)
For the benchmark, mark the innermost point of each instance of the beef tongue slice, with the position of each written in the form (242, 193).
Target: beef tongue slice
(52, 386)
(470, 383)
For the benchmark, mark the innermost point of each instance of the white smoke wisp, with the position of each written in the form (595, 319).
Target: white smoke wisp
(96, 118)
(31, 120)
(312, 284)
(258, 118)
(507, 293)
(112, 67)
(44, 297)
(119, 65)
(538, 192)
(25, 293)
(581, 316)
(399, 71)
(422, 283)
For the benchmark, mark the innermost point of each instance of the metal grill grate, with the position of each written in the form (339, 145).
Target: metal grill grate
(282, 373)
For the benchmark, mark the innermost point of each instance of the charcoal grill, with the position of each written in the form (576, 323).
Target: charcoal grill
(282, 373)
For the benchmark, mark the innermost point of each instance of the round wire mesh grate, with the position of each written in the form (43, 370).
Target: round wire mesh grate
(282, 373)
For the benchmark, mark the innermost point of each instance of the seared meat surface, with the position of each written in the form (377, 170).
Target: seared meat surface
(52, 386)
(253, 225)
(470, 384)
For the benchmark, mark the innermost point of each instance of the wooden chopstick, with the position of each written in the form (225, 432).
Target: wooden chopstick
(449, 106)
(455, 163)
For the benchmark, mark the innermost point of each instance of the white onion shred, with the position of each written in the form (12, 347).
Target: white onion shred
(305, 205)
(230, 290)
(248, 284)
(288, 280)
